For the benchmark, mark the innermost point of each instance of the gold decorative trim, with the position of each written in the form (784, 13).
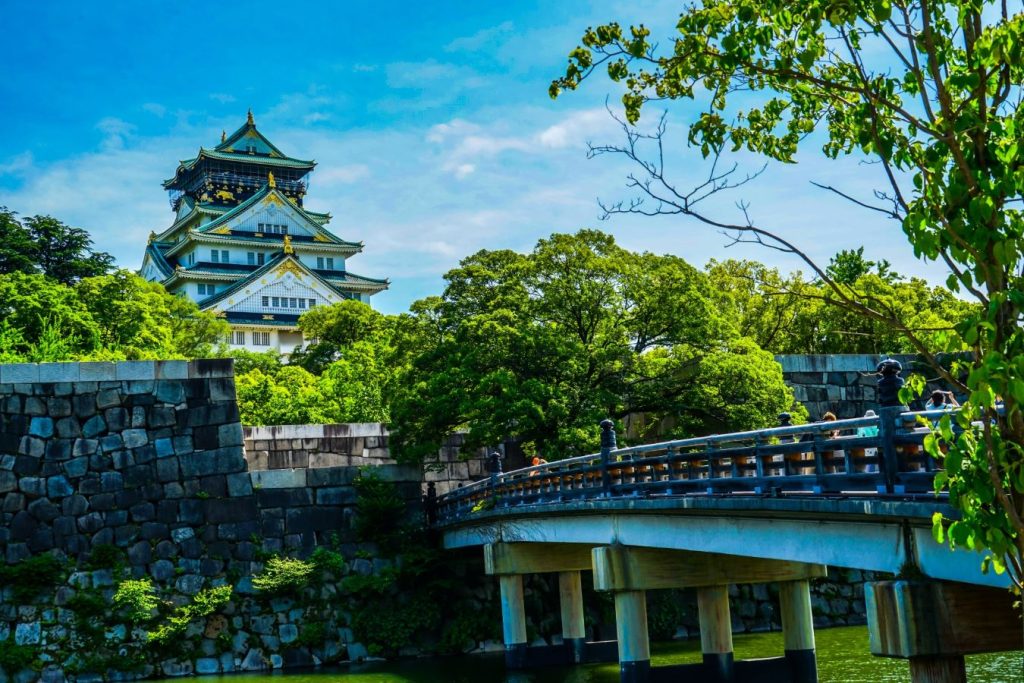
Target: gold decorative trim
(268, 317)
(289, 266)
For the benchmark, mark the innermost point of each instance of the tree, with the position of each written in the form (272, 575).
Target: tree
(849, 265)
(110, 317)
(541, 346)
(928, 90)
(141, 319)
(42, 244)
(65, 253)
(16, 247)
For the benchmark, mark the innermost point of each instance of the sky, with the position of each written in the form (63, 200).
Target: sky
(430, 122)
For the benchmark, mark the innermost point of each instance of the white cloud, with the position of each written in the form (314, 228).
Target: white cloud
(223, 98)
(341, 175)
(115, 131)
(155, 109)
(484, 38)
(17, 164)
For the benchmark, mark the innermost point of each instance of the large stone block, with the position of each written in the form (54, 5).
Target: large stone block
(239, 484)
(229, 510)
(58, 372)
(336, 495)
(97, 372)
(169, 391)
(41, 427)
(332, 476)
(218, 461)
(135, 370)
(171, 369)
(278, 479)
(274, 498)
(15, 373)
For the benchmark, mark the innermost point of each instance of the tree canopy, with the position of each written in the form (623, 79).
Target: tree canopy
(42, 244)
(542, 346)
(927, 90)
(116, 316)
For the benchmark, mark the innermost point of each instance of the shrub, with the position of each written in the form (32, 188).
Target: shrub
(31, 577)
(283, 575)
(136, 599)
(379, 509)
(14, 658)
(204, 604)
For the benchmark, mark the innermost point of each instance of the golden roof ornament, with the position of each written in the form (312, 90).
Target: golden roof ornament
(250, 120)
(288, 248)
(270, 180)
(223, 136)
(152, 236)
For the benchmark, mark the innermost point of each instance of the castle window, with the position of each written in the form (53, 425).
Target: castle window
(292, 303)
(302, 303)
(330, 263)
(261, 338)
(312, 303)
(251, 258)
(215, 256)
(277, 302)
(320, 262)
(206, 290)
(238, 338)
(260, 259)
(266, 301)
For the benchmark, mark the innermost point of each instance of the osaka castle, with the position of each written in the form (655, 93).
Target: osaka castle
(242, 244)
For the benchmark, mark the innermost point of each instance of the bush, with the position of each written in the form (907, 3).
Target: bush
(136, 599)
(204, 604)
(379, 509)
(14, 658)
(284, 575)
(31, 577)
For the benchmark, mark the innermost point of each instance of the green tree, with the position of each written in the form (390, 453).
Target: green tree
(141, 319)
(16, 246)
(65, 253)
(542, 346)
(30, 304)
(928, 91)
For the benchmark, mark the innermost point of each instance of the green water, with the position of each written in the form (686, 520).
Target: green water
(842, 658)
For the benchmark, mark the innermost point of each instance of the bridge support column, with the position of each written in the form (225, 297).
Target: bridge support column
(513, 620)
(798, 630)
(715, 632)
(935, 623)
(570, 593)
(631, 630)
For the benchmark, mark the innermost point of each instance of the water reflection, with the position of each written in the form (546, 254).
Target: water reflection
(843, 657)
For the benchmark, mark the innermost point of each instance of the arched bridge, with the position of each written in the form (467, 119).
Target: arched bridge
(774, 505)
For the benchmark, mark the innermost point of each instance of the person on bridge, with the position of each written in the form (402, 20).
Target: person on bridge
(941, 400)
(870, 430)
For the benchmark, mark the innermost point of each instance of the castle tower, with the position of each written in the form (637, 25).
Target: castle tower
(242, 244)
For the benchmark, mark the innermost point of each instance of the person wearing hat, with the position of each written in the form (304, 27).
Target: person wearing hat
(869, 430)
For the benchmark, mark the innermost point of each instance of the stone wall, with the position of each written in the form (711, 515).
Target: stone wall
(844, 384)
(358, 445)
(136, 470)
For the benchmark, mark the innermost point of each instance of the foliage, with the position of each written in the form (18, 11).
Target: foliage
(136, 599)
(542, 346)
(41, 244)
(30, 577)
(928, 92)
(350, 371)
(116, 316)
(283, 575)
(380, 509)
(105, 556)
(328, 561)
(205, 603)
(795, 315)
(14, 657)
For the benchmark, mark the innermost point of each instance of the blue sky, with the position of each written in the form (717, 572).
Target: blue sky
(431, 124)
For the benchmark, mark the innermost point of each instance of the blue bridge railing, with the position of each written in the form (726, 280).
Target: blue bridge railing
(881, 455)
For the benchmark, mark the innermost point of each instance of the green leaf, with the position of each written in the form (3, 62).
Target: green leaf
(938, 530)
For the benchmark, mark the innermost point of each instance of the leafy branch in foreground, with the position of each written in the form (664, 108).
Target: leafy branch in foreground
(927, 91)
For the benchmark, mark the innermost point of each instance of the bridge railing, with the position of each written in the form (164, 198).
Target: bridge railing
(866, 455)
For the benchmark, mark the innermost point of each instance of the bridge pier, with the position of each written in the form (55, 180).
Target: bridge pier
(513, 620)
(570, 595)
(798, 630)
(630, 571)
(716, 632)
(631, 631)
(935, 623)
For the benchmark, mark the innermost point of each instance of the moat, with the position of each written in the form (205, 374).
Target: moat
(843, 657)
